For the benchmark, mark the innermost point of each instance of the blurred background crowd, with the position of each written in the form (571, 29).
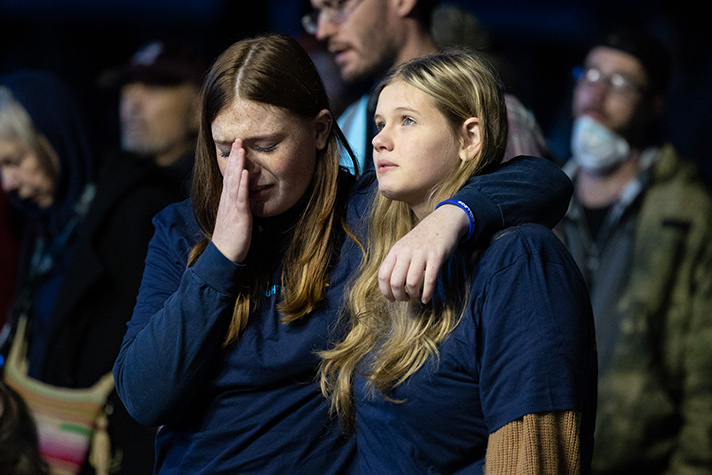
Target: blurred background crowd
(537, 43)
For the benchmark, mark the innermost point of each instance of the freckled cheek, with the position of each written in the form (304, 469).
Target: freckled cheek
(298, 165)
(423, 156)
(296, 175)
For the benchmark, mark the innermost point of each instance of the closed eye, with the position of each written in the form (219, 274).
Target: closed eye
(223, 153)
(265, 149)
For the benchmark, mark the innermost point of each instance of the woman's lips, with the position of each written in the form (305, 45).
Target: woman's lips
(259, 191)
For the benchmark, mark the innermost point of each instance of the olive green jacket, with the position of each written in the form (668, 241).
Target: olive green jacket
(655, 390)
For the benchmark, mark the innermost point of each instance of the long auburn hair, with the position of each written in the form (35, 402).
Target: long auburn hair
(275, 70)
(399, 337)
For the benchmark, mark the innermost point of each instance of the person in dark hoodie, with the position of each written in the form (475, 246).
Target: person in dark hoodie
(84, 242)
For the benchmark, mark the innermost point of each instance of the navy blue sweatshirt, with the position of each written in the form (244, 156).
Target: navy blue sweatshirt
(255, 406)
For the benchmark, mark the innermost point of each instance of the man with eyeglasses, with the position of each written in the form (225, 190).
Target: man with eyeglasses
(368, 37)
(640, 228)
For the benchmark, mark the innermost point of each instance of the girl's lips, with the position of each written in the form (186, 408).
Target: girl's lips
(385, 165)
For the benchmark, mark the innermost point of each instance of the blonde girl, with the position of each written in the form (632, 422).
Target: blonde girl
(498, 371)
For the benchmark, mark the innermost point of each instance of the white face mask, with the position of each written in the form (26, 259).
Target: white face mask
(596, 148)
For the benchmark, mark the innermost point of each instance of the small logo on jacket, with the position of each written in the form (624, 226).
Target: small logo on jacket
(277, 289)
(274, 290)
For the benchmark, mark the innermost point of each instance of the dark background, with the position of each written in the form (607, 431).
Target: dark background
(540, 40)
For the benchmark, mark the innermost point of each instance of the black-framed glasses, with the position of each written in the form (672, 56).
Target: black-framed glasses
(336, 12)
(615, 82)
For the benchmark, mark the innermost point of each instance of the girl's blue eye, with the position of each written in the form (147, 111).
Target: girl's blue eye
(408, 121)
(379, 126)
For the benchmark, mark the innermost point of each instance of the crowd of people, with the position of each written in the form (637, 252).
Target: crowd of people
(257, 283)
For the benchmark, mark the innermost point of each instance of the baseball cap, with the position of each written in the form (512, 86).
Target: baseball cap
(158, 63)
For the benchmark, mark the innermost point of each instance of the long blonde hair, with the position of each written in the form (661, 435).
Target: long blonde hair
(274, 69)
(399, 337)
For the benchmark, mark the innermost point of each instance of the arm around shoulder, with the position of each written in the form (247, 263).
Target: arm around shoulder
(524, 189)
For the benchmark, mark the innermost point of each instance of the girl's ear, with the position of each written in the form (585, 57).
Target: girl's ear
(322, 126)
(471, 142)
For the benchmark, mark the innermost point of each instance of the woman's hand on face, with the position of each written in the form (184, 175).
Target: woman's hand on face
(411, 268)
(233, 223)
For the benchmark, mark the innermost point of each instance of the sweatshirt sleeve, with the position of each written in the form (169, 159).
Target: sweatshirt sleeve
(524, 189)
(546, 442)
(177, 328)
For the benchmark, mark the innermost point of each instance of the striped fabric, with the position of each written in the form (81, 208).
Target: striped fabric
(65, 418)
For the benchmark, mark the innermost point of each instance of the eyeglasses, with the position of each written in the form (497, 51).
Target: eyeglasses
(335, 13)
(615, 82)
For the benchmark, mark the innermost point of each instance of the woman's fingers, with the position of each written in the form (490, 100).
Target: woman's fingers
(233, 224)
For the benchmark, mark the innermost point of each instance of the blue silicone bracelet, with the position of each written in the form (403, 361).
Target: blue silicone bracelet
(467, 210)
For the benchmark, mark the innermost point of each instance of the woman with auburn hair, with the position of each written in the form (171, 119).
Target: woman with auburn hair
(243, 281)
(499, 370)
